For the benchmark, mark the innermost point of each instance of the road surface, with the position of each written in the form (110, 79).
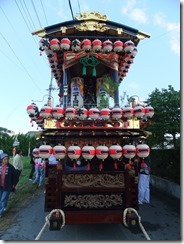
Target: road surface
(161, 220)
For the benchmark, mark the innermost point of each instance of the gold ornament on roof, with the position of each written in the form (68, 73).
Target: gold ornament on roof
(91, 15)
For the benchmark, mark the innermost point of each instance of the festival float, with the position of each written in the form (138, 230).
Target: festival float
(95, 143)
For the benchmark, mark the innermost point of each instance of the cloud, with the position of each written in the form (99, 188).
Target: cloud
(137, 14)
(173, 30)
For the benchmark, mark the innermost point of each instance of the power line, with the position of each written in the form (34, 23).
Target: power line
(71, 8)
(36, 13)
(44, 12)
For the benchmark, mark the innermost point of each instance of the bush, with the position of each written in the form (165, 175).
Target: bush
(166, 164)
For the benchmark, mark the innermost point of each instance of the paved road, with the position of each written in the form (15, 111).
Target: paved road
(161, 220)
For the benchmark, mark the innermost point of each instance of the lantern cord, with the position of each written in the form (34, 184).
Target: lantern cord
(139, 218)
(47, 221)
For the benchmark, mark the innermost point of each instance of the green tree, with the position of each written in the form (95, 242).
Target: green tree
(166, 120)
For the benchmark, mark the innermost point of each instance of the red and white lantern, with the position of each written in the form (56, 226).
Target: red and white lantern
(142, 150)
(86, 45)
(128, 112)
(59, 151)
(32, 110)
(82, 113)
(102, 152)
(118, 46)
(149, 112)
(139, 111)
(107, 46)
(55, 45)
(46, 111)
(74, 152)
(88, 152)
(105, 113)
(65, 44)
(97, 45)
(129, 151)
(76, 45)
(35, 152)
(116, 113)
(128, 46)
(93, 113)
(115, 151)
(39, 120)
(57, 112)
(45, 151)
(70, 113)
(134, 52)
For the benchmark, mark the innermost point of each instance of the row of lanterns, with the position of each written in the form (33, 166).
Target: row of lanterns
(70, 113)
(115, 151)
(87, 45)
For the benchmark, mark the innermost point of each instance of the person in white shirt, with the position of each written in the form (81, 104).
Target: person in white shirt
(18, 164)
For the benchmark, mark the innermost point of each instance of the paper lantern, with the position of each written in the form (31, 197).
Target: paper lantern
(76, 45)
(74, 152)
(94, 113)
(57, 112)
(35, 152)
(45, 151)
(142, 150)
(32, 110)
(102, 152)
(82, 113)
(97, 45)
(54, 45)
(107, 46)
(70, 113)
(139, 111)
(128, 46)
(88, 152)
(105, 113)
(149, 112)
(116, 113)
(65, 44)
(46, 111)
(59, 151)
(129, 151)
(115, 151)
(128, 112)
(86, 45)
(118, 46)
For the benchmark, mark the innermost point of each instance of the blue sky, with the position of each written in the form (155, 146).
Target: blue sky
(25, 75)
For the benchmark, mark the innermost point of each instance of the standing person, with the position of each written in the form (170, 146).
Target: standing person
(32, 162)
(7, 181)
(144, 181)
(40, 171)
(18, 164)
(1, 152)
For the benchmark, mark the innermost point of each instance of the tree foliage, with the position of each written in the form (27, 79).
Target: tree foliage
(166, 120)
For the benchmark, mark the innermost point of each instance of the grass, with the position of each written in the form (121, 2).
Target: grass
(25, 191)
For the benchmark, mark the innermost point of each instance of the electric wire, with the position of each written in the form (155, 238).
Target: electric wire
(31, 20)
(71, 8)
(44, 12)
(36, 13)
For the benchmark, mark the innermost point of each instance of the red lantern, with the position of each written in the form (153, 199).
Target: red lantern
(129, 151)
(65, 44)
(107, 46)
(139, 111)
(74, 152)
(149, 112)
(102, 152)
(35, 152)
(55, 45)
(86, 45)
(70, 113)
(45, 151)
(59, 151)
(57, 112)
(97, 45)
(115, 151)
(129, 46)
(116, 113)
(118, 46)
(32, 110)
(76, 45)
(128, 112)
(46, 111)
(39, 120)
(105, 113)
(143, 150)
(88, 152)
(94, 113)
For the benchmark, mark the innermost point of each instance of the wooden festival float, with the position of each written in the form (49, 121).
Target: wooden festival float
(95, 143)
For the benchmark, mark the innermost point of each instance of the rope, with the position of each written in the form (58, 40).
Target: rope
(47, 219)
(139, 218)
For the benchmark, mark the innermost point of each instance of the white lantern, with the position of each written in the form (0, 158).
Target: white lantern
(93, 113)
(45, 151)
(46, 111)
(128, 46)
(116, 113)
(115, 151)
(86, 45)
(142, 150)
(76, 45)
(105, 113)
(70, 113)
(55, 45)
(57, 112)
(65, 44)
(149, 112)
(59, 151)
(107, 46)
(129, 151)
(102, 152)
(35, 152)
(139, 111)
(82, 113)
(74, 152)
(118, 46)
(97, 45)
(128, 112)
(88, 152)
